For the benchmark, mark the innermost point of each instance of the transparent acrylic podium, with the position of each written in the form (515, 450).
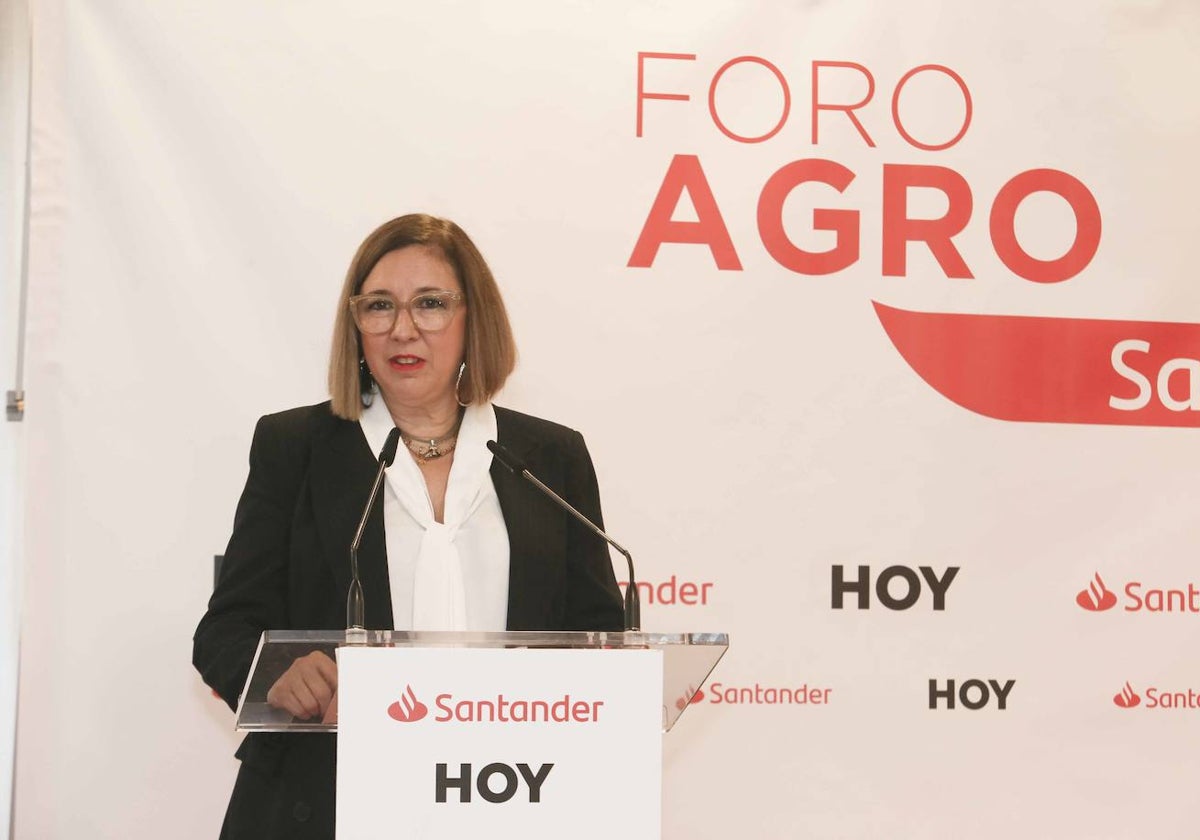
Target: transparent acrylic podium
(688, 659)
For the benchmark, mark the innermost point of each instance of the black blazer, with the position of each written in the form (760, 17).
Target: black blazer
(287, 567)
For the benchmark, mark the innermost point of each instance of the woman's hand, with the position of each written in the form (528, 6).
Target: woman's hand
(308, 688)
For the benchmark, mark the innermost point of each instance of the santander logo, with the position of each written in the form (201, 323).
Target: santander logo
(1138, 597)
(1127, 698)
(756, 694)
(499, 708)
(1157, 698)
(1097, 597)
(408, 708)
(692, 696)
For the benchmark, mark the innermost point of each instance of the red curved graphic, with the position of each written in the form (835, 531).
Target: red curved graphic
(1054, 370)
(1127, 698)
(1097, 597)
(408, 708)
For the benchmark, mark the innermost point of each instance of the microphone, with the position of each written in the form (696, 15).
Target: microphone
(355, 608)
(633, 604)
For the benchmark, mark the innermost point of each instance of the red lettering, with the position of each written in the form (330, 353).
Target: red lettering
(1158, 699)
(666, 591)
(1131, 591)
(712, 99)
(643, 95)
(685, 173)
(818, 105)
(899, 229)
(671, 591)
(844, 223)
(1087, 225)
(912, 141)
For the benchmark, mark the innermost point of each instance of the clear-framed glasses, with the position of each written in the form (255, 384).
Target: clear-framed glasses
(376, 313)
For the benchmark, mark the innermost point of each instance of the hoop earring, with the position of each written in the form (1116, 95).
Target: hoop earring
(366, 383)
(461, 369)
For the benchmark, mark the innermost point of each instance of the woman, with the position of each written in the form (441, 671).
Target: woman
(421, 342)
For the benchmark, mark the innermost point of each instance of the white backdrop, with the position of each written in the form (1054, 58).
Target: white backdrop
(205, 171)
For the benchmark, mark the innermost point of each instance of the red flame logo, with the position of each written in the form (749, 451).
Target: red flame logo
(693, 696)
(408, 708)
(1128, 698)
(1096, 597)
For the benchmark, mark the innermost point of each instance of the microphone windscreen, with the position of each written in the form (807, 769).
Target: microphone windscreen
(506, 457)
(388, 453)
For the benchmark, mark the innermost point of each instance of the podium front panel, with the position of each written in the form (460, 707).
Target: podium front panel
(485, 742)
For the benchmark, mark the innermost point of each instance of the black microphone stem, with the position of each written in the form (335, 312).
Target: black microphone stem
(355, 607)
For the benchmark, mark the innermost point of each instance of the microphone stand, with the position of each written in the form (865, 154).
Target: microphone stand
(355, 607)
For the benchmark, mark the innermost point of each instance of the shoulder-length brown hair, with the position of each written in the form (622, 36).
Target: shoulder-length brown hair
(490, 352)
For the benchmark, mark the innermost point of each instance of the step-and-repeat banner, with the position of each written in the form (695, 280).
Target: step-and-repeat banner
(880, 319)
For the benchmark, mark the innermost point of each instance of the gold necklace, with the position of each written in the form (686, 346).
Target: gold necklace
(429, 449)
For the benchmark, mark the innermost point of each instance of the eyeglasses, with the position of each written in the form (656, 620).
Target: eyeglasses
(377, 312)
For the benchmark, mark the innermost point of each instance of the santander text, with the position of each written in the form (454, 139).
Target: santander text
(1159, 699)
(504, 710)
(1161, 600)
(1177, 380)
(801, 695)
(671, 592)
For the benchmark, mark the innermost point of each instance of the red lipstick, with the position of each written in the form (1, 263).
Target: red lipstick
(406, 362)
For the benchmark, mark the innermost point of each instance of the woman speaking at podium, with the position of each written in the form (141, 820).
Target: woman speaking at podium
(421, 343)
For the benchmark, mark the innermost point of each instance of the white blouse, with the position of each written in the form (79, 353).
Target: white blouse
(450, 575)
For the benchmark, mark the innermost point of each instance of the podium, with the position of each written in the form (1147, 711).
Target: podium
(513, 734)
(688, 659)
